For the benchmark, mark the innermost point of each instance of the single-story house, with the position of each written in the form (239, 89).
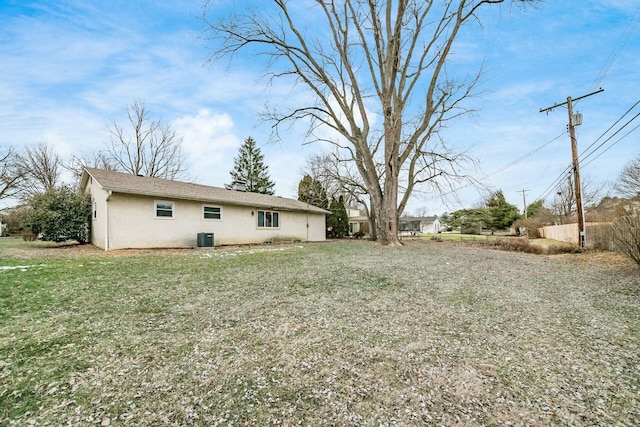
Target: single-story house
(131, 211)
(411, 226)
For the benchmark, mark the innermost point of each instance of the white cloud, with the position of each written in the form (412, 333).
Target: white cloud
(209, 142)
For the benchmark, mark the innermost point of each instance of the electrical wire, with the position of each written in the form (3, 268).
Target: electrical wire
(586, 154)
(507, 166)
(555, 183)
(631, 29)
(610, 127)
(521, 158)
(620, 139)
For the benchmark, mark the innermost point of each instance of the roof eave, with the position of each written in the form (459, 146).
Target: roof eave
(213, 200)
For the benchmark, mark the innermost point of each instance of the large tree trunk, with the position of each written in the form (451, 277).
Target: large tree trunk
(386, 213)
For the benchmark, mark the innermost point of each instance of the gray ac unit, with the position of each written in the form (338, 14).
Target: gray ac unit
(205, 240)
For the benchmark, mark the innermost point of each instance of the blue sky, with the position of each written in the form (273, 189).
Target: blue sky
(68, 67)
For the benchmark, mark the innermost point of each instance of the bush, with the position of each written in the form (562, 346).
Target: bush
(60, 214)
(626, 235)
(514, 244)
(531, 225)
(14, 219)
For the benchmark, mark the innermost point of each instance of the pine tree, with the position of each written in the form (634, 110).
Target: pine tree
(338, 220)
(310, 191)
(501, 212)
(248, 166)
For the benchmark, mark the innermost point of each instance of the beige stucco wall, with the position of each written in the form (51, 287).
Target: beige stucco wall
(132, 223)
(98, 206)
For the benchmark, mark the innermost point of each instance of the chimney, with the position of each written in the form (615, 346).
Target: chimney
(239, 185)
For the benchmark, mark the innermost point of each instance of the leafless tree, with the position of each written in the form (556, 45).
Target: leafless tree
(365, 60)
(339, 178)
(146, 147)
(626, 232)
(77, 163)
(41, 167)
(564, 203)
(11, 176)
(628, 184)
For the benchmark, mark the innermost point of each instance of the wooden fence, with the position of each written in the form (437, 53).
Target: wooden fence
(598, 234)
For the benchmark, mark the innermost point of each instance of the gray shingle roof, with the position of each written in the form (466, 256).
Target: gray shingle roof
(119, 182)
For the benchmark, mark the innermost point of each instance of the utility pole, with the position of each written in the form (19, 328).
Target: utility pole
(524, 201)
(573, 122)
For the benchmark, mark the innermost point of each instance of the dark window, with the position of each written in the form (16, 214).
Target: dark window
(164, 209)
(268, 219)
(212, 212)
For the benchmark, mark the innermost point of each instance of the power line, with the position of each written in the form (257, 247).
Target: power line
(555, 183)
(610, 127)
(620, 139)
(547, 191)
(633, 26)
(507, 166)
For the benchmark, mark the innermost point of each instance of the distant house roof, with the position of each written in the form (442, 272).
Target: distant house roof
(119, 182)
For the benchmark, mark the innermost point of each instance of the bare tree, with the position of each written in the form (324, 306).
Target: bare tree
(41, 167)
(564, 203)
(363, 59)
(626, 232)
(77, 163)
(628, 184)
(340, 178)
(146, 147)
(11, 176)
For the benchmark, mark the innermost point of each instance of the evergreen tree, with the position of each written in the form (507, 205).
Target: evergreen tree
(469, 221)
(310, 191)
(502, 213)
(338, 220)
(248, 166)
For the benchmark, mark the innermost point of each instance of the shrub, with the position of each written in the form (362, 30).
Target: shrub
(523, 245)
(59, 214)
(626, 235)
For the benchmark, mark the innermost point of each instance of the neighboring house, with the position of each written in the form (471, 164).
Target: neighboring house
(131, 211)
(411, 226)
(357, 221)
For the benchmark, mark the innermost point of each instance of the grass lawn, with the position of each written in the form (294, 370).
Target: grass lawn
(339, 333)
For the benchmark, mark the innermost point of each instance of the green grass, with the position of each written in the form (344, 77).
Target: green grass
(315, 334)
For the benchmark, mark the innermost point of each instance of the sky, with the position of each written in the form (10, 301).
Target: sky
(68, 68)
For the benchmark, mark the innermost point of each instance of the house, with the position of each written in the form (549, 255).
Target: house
(411, 226)
(358, 223)
(130, 211)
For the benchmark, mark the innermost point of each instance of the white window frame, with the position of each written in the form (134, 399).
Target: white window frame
(173, 209)
(264, 213)
(204, 207)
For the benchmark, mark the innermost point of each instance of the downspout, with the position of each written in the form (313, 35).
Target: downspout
(106, 222)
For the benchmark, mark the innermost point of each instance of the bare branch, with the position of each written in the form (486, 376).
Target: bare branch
(146, 147)
(367, 61)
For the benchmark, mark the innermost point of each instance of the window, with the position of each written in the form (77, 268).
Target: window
(212, 212)
(164, 209)
(95, 210)
(268, 219)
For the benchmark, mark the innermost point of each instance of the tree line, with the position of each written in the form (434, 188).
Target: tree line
(50, 206)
